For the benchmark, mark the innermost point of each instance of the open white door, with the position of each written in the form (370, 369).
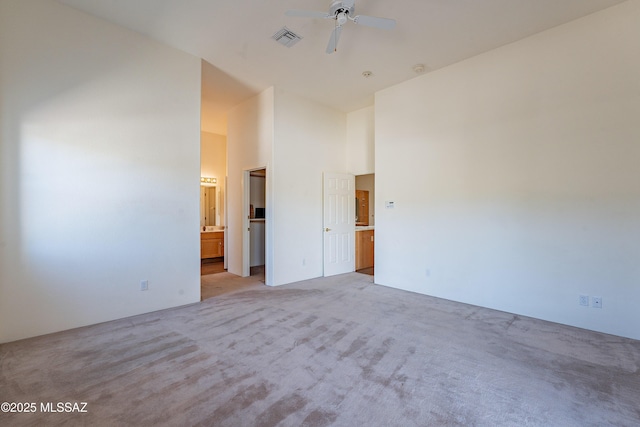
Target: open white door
(339, 223)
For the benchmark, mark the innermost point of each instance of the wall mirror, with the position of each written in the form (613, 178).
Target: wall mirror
(362, 207)
(209, 202)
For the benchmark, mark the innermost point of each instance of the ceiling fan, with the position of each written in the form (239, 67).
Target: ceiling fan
(340, 12)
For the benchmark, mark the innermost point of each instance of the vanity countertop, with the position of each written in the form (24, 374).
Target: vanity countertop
(212, 229)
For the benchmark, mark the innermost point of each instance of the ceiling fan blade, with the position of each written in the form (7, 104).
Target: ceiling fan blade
(332, 46)
(307, 13)
(372, 21)
(347, 4)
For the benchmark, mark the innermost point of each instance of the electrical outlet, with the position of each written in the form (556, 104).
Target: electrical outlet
(596, 302)
(584, 300)
(144, 285)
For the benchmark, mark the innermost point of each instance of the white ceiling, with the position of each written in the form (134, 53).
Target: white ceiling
(234, 37)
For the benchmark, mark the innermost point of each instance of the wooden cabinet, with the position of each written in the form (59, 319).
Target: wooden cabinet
(364, 249)
(212, 244)
(362, 207)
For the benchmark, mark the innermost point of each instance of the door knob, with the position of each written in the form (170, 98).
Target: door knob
(327, 229)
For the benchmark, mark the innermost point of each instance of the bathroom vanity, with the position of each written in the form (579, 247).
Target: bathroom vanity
(364, 247)
(211, 244)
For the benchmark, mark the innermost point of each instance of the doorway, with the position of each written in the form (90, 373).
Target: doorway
(257, 225)
(254, 252)
(365, 223)
(212, 230)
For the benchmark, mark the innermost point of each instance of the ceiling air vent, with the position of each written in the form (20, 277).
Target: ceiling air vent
(286, 37)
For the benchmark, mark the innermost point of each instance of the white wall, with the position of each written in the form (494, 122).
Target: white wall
(257, 198)
(297, 140)
(99, 132)
(249, 146)
(257, 239)
(213, 164)
(309, 140)
(361, 141)
(258, 191)
(515, 176)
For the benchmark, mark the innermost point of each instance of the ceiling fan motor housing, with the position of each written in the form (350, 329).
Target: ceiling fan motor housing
(337, 7)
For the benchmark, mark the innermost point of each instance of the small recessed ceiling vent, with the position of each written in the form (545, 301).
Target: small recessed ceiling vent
(286, 37)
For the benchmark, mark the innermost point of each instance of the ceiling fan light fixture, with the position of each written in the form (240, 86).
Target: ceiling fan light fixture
(341, 18)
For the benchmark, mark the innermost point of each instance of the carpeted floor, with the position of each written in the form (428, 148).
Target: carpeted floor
(213, 285)
(335, 351)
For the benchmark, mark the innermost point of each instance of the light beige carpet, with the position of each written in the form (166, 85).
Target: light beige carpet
(339, 351)
(213, 285)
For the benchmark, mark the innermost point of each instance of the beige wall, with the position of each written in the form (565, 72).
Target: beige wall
(213, 164)
(360, 149)
(213, 155)
(523, 164)
(99, 140)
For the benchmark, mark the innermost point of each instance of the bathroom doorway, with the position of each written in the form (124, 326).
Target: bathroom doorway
(212, 230)
(213, 201)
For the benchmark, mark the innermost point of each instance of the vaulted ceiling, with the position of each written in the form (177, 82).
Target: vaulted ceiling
(235, 38)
